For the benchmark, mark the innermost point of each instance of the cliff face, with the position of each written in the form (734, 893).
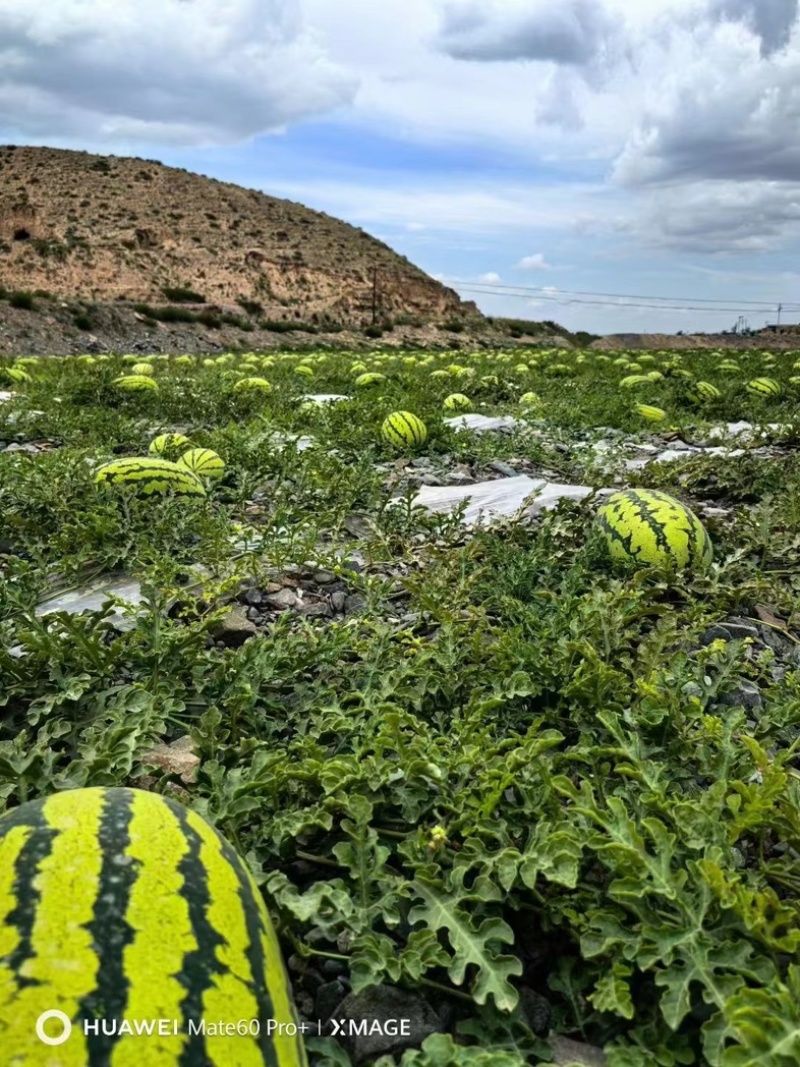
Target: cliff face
(104, 228)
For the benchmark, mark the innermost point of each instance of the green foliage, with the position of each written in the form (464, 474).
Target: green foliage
(513, 769)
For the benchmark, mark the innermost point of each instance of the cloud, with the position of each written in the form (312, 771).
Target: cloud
(771, 20)
(575, 32)
(177, 71)
(490, 278)
(723, 218)
(534, 262)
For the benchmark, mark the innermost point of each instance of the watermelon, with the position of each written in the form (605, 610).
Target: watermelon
(652, 414)
(703, 392)
(764, 387)
(252, 383)
(404, 430)
(150, 475)
(457, 401)
(203, 462)
(651, 528)
(167, 443)
(133, 383)
(121, 906)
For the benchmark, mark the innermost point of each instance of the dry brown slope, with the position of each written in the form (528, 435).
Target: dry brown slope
(106, 228)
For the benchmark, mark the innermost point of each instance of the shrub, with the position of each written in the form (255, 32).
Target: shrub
(180, 295)
(22, 300)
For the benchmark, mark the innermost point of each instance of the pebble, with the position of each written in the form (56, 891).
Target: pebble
(354, 603)
(284, 599)
(503, 468)
(338, 600)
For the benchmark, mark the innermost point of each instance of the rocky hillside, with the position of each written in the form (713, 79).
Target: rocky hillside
(104, 229)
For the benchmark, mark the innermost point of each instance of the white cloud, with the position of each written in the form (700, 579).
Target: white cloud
(490, 278)
(534, 262)
(562, 31)
(177, 71)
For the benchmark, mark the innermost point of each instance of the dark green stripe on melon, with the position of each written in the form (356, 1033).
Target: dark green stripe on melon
(110, 932)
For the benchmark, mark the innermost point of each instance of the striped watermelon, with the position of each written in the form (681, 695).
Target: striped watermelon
(369, 379)
(703, 392)
(143, 368)
(633, 380)
(252, 383)
(133, 383)
(203, 462)
(150, 475)
(652, 528)
(120, 905)
(167, 443)
(652, 414)
(764, 387)
(404, 430)
(457, 401)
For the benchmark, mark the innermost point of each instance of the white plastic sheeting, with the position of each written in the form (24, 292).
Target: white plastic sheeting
(501, 498)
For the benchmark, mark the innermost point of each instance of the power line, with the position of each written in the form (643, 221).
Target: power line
(556, 298)
(524, 289)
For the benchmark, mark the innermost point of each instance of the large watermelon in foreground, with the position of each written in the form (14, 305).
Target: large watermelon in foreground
(119, 905)
(652, 528)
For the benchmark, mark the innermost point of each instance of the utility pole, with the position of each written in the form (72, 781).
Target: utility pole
(779, 313)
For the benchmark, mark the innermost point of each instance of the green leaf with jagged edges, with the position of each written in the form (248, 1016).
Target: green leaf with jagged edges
(474, 941)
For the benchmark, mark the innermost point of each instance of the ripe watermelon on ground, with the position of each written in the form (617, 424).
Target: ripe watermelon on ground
(121, 904)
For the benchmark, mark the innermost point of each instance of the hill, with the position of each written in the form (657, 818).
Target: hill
(104, 229)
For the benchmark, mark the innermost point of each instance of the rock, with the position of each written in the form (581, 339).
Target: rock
(338, 600)
(379, 1004)
(329, 995)
(284, 599)
(567, 1053)
(459, 478)
(503, 468)
(253, 597)
(730, 630)
(175, 758)
(317, 608)
(324, 577)
(353, 603)
(535, 1010)
(234, 628)
(746, 695)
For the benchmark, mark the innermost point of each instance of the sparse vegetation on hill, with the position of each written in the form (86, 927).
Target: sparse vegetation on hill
(110, 228)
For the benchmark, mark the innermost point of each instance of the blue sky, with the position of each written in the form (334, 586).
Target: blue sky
(549, 159)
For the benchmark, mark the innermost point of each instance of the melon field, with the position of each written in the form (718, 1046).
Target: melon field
(486, 664)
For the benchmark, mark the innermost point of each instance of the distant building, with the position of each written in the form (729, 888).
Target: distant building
(783, 327)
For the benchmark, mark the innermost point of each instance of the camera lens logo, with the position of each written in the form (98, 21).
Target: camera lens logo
(45, 1017)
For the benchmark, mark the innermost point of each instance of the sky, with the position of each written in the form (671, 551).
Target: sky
(612, 165)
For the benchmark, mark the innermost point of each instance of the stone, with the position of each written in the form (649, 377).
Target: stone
(317, 608)
(503, 468)
(324, 577)
(253, 597)
(353, 603)
(234, 628)
(731, 630)
(329, 995)
(380, 1004)
(568, 1053)
(338, 600)
(746, 695)
(284, 599)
